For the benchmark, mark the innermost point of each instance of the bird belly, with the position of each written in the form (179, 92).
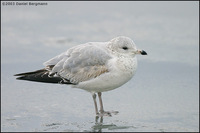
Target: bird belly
(110, 80)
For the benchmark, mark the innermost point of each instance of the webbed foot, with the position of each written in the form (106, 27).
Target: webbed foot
(107, 113)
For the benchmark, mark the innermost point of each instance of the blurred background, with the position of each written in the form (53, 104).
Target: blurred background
(162, 96)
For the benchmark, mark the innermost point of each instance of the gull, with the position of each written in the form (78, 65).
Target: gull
(94, 66)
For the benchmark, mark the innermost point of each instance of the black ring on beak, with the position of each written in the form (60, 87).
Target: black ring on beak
(143, 52)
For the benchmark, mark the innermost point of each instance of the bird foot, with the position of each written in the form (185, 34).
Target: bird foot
(107, 113)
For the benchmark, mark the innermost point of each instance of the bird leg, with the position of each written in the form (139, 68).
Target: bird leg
(100, 102)
(95, 103)
(102, 112)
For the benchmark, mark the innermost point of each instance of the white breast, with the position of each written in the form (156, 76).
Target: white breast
(120, 71)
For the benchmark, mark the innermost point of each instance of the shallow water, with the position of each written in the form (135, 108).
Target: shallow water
(154, 100)
(162, 96)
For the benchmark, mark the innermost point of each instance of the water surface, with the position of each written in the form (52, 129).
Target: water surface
(162, 96)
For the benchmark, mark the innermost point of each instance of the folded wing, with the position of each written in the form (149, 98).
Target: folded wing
(78, 64)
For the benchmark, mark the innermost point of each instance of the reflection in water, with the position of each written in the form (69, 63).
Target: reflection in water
(99, 125)
(52, 126)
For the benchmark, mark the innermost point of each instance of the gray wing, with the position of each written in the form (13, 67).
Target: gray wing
(80, 63)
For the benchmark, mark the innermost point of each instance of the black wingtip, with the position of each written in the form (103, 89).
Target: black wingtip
(41, 76)
(20, 78)
(18, 74)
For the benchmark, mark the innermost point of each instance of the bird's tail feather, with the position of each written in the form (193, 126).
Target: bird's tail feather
(41, 75)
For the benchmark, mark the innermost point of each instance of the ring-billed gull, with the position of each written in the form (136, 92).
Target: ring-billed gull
(94, 66)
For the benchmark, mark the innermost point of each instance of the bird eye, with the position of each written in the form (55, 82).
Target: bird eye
(125, 48)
